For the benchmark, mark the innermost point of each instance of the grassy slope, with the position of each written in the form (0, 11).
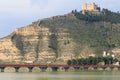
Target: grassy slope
(98, 36)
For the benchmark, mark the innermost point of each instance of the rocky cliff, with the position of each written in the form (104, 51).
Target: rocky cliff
(55, 40)
(36, 44)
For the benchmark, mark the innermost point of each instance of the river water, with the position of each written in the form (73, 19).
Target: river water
(81, 75)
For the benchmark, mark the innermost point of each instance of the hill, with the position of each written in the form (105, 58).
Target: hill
(59, 38)
(90, 30)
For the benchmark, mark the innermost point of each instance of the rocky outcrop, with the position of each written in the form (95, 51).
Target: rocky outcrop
(9, 52)
(37, 44)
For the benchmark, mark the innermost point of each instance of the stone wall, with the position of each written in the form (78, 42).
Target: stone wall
(89, 7)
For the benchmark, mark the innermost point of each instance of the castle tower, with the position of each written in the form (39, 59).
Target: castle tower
(90, 7)
(84, 6)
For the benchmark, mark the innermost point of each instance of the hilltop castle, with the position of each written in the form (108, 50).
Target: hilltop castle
(90, 8)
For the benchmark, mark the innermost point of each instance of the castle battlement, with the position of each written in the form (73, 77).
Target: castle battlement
(90, 7)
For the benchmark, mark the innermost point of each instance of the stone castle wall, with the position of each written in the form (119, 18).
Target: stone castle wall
(89, 7)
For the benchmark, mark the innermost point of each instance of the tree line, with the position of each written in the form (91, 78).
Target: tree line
(106, 15)
(92, 61)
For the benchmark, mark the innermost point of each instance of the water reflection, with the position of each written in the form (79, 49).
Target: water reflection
(83, 75)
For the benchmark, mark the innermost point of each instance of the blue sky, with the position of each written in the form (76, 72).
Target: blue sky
(19, 13)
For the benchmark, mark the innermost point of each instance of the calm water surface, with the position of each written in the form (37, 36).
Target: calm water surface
(83, 75)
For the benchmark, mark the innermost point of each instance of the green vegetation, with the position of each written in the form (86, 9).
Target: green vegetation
(99, 32)
(105, 15)
(92, 61)
(17, 40)
(54, 44)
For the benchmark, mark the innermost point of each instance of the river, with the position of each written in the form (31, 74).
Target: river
(81, 75)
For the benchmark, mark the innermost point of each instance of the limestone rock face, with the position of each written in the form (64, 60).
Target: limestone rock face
(33, 43)
(9, 52)
(36, 44)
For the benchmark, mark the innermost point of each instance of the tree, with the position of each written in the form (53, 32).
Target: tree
(80, 61)
(69, 62)
(74, 61)
(92, 61)
(115, 60)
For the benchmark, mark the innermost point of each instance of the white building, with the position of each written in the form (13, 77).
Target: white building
(104, 53)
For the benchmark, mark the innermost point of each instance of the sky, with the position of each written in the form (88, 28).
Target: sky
(19, 13)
